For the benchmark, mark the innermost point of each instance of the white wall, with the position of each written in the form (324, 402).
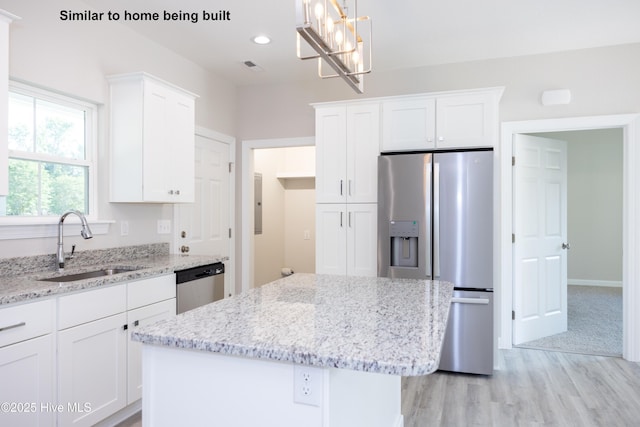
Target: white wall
(288, 207)
(74, 58)
(594, 205)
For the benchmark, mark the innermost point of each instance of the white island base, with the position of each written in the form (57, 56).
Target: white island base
(196, 388)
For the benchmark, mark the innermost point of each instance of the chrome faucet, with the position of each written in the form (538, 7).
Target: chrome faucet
(85, 233)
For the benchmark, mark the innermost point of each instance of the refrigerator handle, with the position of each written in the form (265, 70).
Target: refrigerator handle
(436, 220)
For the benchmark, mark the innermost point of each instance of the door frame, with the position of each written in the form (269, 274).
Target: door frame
(247, 148)
(230, 271)
(630, 123)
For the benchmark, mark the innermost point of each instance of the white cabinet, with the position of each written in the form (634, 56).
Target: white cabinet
(27, 364)
(408, 124)
(441, 121)
(92, 355)
(347, 239)
(148, 301)
(152, 140)
(347, 147)
(98, 363)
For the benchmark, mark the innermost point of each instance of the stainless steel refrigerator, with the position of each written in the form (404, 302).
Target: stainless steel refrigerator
(435, 221)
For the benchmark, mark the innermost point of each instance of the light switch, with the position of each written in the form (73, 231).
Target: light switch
(164, 226)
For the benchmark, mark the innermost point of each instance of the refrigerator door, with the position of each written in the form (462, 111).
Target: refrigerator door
(404, 216)
(463, 218)
(468, 341)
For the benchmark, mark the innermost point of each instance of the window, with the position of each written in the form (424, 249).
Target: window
(51, 146)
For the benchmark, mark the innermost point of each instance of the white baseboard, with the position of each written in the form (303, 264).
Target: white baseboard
(605, 283)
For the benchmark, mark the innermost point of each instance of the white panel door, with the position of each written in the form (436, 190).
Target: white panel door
(203, 226)
(540, 224)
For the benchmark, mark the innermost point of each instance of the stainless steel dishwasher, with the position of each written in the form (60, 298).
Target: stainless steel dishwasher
(198, 286)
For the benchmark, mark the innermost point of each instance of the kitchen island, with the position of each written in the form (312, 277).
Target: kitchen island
(307, 350)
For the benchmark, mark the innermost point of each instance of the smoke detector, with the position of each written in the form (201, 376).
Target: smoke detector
(250, 65)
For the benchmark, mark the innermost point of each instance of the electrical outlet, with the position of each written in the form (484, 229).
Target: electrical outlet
(164, 226)
(124, 228)
(307, 385)
(306, 235)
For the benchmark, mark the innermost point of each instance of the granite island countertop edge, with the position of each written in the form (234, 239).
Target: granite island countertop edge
(389, 348)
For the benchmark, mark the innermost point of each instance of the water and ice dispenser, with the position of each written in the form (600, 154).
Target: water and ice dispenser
(404, 243)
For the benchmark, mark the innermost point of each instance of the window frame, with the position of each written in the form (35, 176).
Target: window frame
(91, 149)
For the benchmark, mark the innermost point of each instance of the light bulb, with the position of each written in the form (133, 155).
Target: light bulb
(319, 10)
(339, 37)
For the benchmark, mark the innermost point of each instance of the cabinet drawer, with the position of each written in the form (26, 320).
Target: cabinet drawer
(91, 305)
(26, 321)
(149, 291)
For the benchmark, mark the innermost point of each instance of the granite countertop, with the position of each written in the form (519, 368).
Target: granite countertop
(380, 325)
(25, 287)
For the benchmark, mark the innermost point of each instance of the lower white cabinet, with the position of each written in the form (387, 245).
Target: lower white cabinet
(27, 366)
(347, 239)
(27, 378)
(140, 317)
(92, 366)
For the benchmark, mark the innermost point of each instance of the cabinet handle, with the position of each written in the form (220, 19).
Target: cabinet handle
(341, 219)
(171, 192)
(349, 219)
(136, 323)
(441, 138)
(17, 325)
(349, 187)
(341, 187)
(177, 192)
(125, 327)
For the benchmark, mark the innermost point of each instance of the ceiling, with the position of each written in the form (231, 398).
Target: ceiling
(406, 33)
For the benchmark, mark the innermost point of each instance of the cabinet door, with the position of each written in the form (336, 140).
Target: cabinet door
(466, 120)
(27, 374)
(168, 153)
(408, 124)
(363, 130)
(140, 317)
(362, 239)
(92, 370)
(331, 243)
(331, 163)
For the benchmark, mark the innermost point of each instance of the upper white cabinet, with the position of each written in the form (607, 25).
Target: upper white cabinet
(408, 124)
(347, 146)
(441, 121)
(152, 140)
(5, 21)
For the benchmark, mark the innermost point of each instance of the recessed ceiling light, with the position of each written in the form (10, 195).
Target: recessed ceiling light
(261, 40)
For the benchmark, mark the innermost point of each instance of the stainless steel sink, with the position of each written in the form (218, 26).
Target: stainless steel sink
(90, 274)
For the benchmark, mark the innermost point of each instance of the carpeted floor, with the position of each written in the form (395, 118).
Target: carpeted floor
(594, 323)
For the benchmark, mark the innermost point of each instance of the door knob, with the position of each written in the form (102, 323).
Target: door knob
(184, 249)
(566, 246)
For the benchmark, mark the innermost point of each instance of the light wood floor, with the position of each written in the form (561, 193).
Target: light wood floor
(533, 388)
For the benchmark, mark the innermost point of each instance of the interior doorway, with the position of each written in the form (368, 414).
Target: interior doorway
(630, 125)
(284, 212)
(594, 250)
(248, 197)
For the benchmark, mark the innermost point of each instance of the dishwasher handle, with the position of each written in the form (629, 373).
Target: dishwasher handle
(482, 301)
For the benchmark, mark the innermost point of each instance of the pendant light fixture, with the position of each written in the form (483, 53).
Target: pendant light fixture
(335, 33)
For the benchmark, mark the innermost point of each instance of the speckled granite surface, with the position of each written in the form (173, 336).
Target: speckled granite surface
(389, 326)
(19, 277)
